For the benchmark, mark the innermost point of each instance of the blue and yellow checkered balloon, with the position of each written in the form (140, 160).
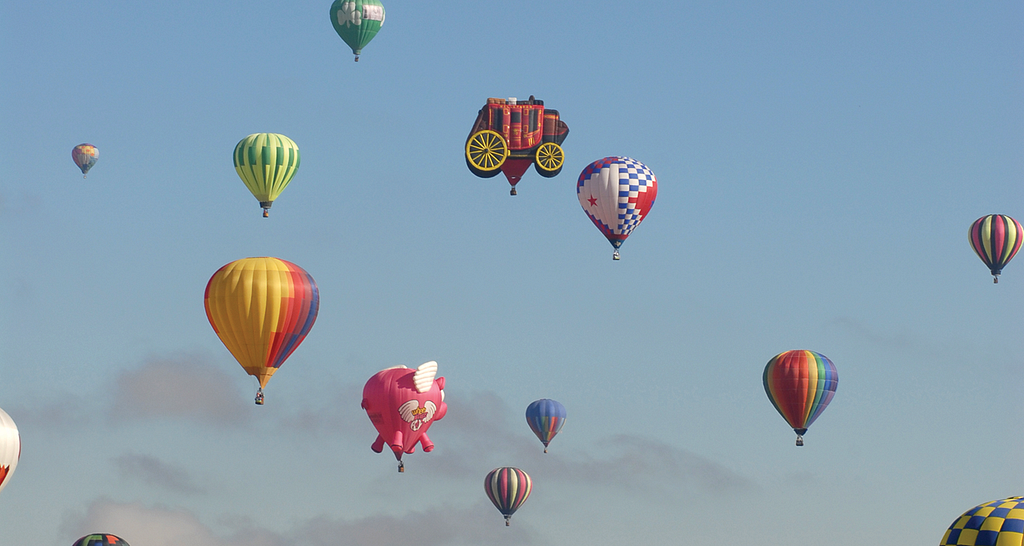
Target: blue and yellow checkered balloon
(996, 523)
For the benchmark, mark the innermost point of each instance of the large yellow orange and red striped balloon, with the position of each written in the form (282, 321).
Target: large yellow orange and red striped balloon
(262, 309)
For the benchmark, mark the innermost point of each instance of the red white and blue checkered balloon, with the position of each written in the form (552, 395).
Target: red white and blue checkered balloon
(617, 193)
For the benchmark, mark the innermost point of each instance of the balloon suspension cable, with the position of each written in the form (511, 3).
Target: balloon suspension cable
(799, 440)
(401, 466)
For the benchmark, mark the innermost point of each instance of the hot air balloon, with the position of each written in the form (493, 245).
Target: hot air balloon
(402, 404)
(508, 488)
(996, 238)
(996, 523)
(262, 309)
(266, 162)
(800, 385)
(545, 417)
(85, 156)
(617, 193)
(357, 22)
(100, 539)
(509, 135)
(10, 448)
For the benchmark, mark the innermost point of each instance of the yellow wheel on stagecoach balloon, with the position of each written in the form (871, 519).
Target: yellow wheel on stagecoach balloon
(550, 158)
(486, 151)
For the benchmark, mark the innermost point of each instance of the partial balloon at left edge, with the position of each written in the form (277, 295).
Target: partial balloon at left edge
(10, 448)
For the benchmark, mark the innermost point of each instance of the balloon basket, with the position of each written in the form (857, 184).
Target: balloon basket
(799, 440)
(615, 255)
(401, 467)
(266, 213)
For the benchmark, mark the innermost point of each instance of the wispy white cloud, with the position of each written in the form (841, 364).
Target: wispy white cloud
(154, 472)
(184, 386)
(161, 526)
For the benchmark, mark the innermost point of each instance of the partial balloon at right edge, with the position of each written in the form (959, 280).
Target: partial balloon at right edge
(617, 193)
(995, 238)
(800, 384)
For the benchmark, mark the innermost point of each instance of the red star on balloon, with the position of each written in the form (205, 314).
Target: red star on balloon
(593, 200)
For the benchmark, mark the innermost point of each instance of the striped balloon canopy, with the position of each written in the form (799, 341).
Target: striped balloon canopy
(100, 539)
(800, 384)
(10, 448)
(996, 523)
(617, 193)
(266, 162)
(545, 417)
(995, 239)
(85, 156)
(262, 309)
(508, 488)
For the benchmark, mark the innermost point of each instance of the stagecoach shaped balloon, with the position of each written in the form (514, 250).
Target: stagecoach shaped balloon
(996, 238)
(402, 404)
(996, 523)
(85, 156)
(100, 539)
(617, 193)
(10, 448)
(510, 134)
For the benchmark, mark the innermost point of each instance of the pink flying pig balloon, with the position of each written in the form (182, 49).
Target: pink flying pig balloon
(402, 403)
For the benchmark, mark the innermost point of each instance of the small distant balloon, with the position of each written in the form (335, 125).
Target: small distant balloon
(508, 488)
(85, 156)
(996, 523)
(402, 404)
(996, 238)
(10, 448)
(617, 193)
(266, 162)
(357, 22)
(100, 539)
(545, 417)
(800, 384)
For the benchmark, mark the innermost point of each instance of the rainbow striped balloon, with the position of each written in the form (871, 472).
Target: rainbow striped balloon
(1000, 522)
(262, 309)
(995, 239)
(800, 384)
(508, 488)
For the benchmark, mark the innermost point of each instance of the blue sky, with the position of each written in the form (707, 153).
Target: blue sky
(818, 168)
